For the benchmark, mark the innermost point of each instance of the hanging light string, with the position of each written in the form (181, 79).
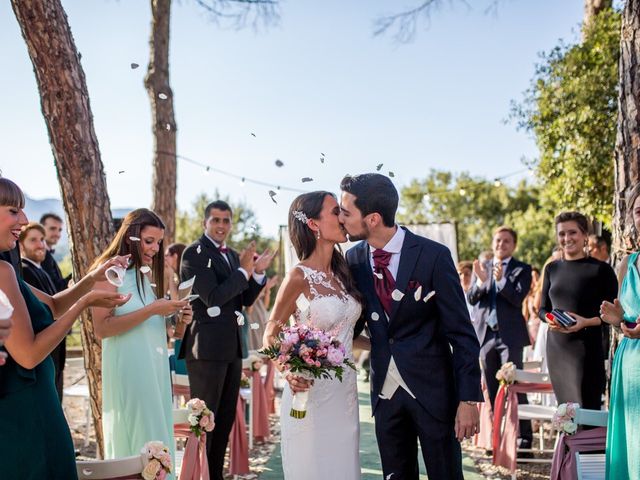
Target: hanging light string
(497, 181)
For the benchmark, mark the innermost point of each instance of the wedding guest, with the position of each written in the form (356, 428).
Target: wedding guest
(623, 429)
(136, 387)
(465, 272)
(577, 285)
(600, 246)
(52, 224)
(530, 308)
(172, 263)
(32, 251)
(37, 444)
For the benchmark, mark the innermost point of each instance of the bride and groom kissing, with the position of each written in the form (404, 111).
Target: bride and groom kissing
(405, 291)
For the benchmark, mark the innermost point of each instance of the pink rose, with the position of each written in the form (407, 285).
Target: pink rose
(204, 421)
(162, 474)
(211, 423)
(335, 356)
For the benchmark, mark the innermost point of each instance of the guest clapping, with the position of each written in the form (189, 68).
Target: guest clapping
(576, 285)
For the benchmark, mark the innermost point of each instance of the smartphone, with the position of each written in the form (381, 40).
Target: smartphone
(191, 298)
(563, 318)
(630, 324)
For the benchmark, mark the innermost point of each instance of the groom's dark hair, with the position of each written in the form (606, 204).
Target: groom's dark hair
(374, 193)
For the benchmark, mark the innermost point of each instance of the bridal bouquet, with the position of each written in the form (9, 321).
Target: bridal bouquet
(310, 353)
(158, 461)
(564, 418)
(200, 417)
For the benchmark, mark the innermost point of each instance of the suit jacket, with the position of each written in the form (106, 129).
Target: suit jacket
(511, 323)
(219, 285)
(50, 266)
(433, 343)
(37, 277)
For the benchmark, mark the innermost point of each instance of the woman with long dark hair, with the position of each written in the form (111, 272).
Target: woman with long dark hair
(319, 292)
(136, 389)
(35, 442)
(576, 285)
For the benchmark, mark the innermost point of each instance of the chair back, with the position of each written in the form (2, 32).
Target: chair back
(523, 376)
(179, 379)
(180, 415)
(590, 466)
(121, 469)
(594, 418)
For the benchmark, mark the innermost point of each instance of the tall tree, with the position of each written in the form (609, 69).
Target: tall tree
(237, 12)
(65, 105)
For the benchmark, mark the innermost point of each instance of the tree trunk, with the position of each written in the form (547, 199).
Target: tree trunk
(591, 9)
(164, 124)
(65, 105)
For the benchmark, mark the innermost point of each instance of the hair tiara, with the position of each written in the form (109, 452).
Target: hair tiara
(300, 216)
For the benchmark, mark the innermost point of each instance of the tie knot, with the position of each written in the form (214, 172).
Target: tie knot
(223, 249)
(381, 258)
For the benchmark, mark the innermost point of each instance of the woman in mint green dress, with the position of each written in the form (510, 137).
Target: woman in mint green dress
(136, 384)
(623, 429)
(35, 442)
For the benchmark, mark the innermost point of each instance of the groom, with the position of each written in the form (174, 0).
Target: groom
(425, 374)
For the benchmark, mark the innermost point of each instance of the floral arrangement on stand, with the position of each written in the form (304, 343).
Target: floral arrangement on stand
(564, 418)
(507, 374)
(200, 418)
(244, 381)
(158, 461)
(310, 353)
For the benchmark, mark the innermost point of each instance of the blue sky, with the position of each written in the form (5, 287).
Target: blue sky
(318, 82)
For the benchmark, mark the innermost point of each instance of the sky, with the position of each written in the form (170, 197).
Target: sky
(317, 83)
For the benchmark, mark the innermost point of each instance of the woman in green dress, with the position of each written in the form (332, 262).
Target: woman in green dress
(623, 429)
(35, 442)
(136, 384)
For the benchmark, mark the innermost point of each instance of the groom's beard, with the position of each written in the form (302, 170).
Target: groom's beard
(363, 234)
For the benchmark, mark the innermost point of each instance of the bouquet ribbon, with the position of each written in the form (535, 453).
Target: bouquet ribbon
(194, 463)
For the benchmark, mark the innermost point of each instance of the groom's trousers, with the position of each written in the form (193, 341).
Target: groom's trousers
(400, 422)
(218, 384)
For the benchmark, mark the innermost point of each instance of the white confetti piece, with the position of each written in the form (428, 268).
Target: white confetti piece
(279, 163)
(307, 179)
(213, 311)
(134, 239)
(418, 293)
(153, 285)
(134, 66)
(162, 96)
(391, 174)
(273, 194)
(199, 249)
(378, 274)
(239, 318)
(255, 326)
(397, 295)
(428, 296)
(209, 264)
(375, 317)
(379, 166)
(145, 269)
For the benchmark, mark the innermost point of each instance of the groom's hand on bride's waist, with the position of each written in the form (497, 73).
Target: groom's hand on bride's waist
(467, 420)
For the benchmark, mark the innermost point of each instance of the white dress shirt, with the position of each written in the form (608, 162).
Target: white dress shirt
(394, 379)
(258, 277)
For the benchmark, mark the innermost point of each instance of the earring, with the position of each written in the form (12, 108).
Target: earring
(318, 234)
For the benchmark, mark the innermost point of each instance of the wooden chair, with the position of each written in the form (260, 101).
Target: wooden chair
(128, 468)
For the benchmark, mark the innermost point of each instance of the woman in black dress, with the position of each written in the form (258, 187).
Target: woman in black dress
(577, 285)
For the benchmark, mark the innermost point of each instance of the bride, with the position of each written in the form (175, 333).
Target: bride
(319, 291)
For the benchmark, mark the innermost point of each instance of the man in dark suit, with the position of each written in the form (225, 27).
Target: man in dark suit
(52, 224)
(225, 282)
(498, 289)
(33, 250)
(425, 376)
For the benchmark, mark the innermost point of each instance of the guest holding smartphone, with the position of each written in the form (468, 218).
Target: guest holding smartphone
(623, 430)
(576, 285)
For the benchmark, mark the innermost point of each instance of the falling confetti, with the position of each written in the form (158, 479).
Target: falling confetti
(378, 274)
(418, 293)
(239, 318)
(307, 179)
(397, 295)
(254, 326)
(253, 134)
(162, 96)
(153, 285)
(428, 296)
(134, 239)
(379, 167)
(279, 163)
(273, 194)
(391, 174)
(209, 264)
(199, 249)
(322, 154)
(213, 311)
(134, 66)
(168, 126)
(321, 159)
(145, 269)
(120, 171)
(375, 317)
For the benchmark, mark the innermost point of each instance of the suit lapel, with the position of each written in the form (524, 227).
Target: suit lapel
(213, 252)
(366, 274)
(408, 257)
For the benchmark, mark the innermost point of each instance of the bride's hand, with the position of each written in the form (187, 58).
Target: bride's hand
(298, 384)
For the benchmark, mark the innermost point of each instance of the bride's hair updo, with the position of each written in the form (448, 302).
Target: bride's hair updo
(309, 206)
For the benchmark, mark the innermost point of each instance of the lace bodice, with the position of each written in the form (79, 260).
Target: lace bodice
(328, 306)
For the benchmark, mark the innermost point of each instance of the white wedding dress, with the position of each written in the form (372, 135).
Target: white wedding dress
(325, 444)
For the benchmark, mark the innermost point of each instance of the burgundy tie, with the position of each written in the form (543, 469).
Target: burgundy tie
(385, 285)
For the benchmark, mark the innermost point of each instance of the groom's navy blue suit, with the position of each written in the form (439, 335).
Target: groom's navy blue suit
(436, 351)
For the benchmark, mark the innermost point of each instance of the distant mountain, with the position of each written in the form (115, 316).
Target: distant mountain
(36, 208)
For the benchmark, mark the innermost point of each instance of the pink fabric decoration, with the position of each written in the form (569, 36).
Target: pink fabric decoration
(506, 406)
(239, 452)
(483, 438)
(564, 458)
(194, 463)
(268, 388)
(260, 409)
(181, 390)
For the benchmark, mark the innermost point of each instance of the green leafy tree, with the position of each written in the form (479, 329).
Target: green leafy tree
(478, 206)
(571, 109)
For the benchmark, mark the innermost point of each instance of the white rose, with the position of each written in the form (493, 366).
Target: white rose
(193, 420)
(570, 427)
(562, 409)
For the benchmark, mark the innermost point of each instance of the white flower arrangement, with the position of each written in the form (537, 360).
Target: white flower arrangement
(200, 417)
(564, 418)
(507, 374)
(158, 461)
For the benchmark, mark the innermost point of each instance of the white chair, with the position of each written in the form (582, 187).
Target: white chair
(129, 467)
(593, 418)
(181, 381)
(591, 466)
(180, 416)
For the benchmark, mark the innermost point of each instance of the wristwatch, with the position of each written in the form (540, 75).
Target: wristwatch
(470, 402)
